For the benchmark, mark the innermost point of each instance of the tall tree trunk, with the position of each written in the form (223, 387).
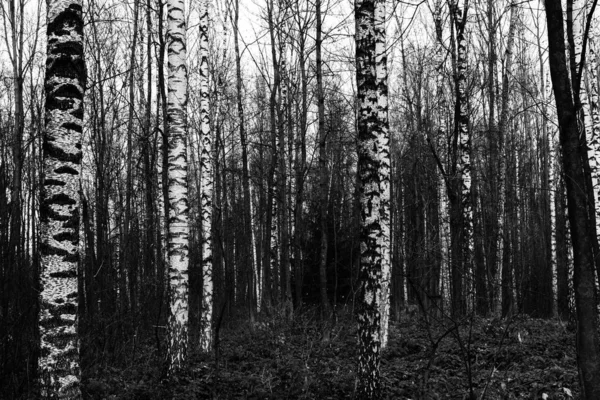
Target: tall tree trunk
(270, 238)
(16, 21)
(300, 151)
(164, 148)
(148, 156)
(60, 373)
(245, 174)
(369, 133)
(593, 128)
(206, 190)
(323, 171)
(284, 259)
(461, 219)
(178, 231)
(502, 132)
(442, 158)
(127, 262)
(383, 148)
(582, 223)
(553, 188)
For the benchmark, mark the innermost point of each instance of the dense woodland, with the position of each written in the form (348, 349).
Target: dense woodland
(299, 199)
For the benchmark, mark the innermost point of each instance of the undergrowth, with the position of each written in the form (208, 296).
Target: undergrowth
(301, 359)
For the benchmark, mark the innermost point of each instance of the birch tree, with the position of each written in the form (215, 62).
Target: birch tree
(369, 132)
(383, 148)
(59, 370)
(206, 190)
(178, 230)
(459, 190)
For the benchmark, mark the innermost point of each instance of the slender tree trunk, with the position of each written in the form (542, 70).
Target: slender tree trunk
(206, 190)
(369, 133)
(127, 262)
(16, 16)
(323, 170)
(270, 239)
(502, 132)
(552, 187)
(178, 232)
(300, 163)
(148, 155)
(442, 155)
(284, 259)
(245, 174)
(383, 148)
(164, 153)
(59, 370)
(461, 218)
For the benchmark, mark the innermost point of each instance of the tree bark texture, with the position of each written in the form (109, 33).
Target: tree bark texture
(59, 370)
(206, 189)
(178, 229)
(383, 148)
(369, 132)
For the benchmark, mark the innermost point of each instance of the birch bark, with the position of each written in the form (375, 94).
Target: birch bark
(369, 132)
(206, 190)
(178, 229)
(383, 149)
(59, 370)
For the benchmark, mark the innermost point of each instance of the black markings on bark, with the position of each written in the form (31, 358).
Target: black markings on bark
(66, 235)
(49, 250)
(73, 221)
(61, 199)
(53, 182)
(53, 103)
(77, 113)
(69, 273)
(47, 213)
(74, 127)
(70, 18)
(66, 170)
(67, 90)
(53, 150)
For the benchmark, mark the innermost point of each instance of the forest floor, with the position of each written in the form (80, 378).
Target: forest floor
(520, 358)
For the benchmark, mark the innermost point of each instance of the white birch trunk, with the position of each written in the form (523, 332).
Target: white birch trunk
(369, 132)
(593, 131)
(464, 155)
(178, 230)
(257, 275)
(383, 148)
(552, 187)
(206, 190)
(59, 371)
(443, 201)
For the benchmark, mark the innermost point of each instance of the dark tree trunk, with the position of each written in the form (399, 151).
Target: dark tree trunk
(582, 223)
